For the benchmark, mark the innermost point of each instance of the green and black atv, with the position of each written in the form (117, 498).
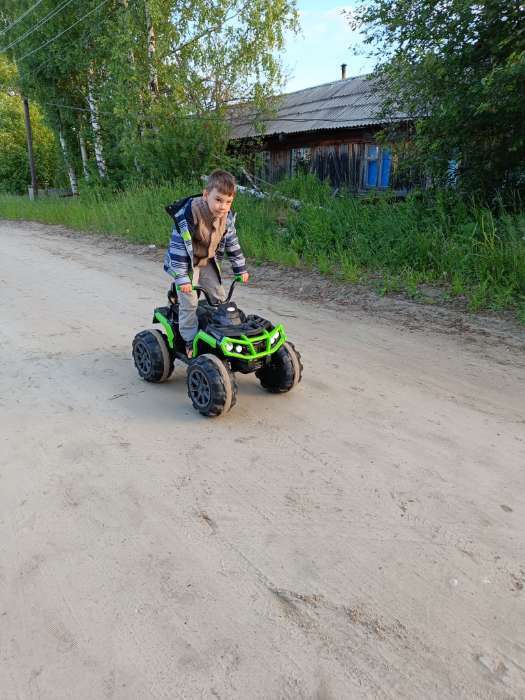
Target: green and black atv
(228, 341)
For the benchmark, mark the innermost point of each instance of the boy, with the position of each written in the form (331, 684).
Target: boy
(204, 229)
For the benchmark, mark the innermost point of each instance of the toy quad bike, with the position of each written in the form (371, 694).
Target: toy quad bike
(227, 341)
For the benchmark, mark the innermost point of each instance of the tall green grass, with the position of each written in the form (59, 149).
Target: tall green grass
(137, 214)
(438, 239)
(434, 238)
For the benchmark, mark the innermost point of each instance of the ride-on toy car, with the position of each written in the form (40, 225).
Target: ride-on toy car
(227, 341)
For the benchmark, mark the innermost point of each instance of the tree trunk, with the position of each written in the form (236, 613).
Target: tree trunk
(83, 153)
(69, 165)
(152, 47)
(97, 140)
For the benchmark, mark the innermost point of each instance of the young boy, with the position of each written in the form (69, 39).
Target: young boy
(204, 229)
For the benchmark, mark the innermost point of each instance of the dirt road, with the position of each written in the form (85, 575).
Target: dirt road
(361, 537)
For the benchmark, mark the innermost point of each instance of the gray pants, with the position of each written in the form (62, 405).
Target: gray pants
(208, 278)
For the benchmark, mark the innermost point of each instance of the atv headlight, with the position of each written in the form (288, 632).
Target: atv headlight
(274, 338)
(229, 347)
(238, 348)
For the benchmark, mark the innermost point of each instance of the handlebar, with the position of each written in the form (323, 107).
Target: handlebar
(218, 303)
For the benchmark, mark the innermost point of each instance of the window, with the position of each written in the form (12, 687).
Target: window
(378, 163)
(263, 165)
(301, 160)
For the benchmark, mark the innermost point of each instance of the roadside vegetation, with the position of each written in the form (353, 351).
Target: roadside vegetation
(463, 249)
(125, 97)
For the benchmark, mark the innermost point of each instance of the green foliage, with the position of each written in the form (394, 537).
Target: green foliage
(458, 69)
(160, 74)
(184, 148)
(14, 162)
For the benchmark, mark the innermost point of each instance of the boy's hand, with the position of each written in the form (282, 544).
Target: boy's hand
(186, 288)
(245, 277)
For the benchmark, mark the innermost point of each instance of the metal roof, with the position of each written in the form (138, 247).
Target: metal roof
(347, 103)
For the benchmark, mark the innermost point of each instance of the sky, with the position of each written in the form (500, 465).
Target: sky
(325, 42)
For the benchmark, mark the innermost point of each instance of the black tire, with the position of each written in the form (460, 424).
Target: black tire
(211, 385)
(153, 359)
(283, 371)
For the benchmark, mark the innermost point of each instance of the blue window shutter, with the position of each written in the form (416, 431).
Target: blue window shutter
(372, 169)
(371, 179)
(385, 167)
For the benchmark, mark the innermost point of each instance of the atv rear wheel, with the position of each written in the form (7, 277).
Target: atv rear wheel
(153, 359)
(211, 385)
(283, 371)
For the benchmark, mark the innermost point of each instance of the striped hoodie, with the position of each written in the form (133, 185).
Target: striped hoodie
(178, 261)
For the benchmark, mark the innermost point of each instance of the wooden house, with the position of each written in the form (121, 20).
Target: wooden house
(328, 129)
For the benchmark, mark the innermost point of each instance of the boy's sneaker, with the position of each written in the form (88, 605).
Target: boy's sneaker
(189, 350)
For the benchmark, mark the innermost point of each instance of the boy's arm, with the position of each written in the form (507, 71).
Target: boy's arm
(234, 251)
(176, 260)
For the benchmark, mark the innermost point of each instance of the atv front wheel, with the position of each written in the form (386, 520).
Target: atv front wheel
(283, 371)
(152, 356)
(211, 385)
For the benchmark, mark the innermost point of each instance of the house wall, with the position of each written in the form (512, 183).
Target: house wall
(344, 157)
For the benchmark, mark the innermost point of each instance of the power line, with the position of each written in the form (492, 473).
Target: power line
(8, 29)
(50, 15)
(67, 2)
(135, 114)
(302, 120)
(192, 117)
(204, 117)
(92, 28)
(30, 53)
(44, 20)
(176, 50)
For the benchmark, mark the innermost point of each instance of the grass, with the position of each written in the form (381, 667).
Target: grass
(138, 214)
(439, 239)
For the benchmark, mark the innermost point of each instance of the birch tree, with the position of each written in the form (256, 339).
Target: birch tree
(154, 76)
(95, 124)
(69, 163)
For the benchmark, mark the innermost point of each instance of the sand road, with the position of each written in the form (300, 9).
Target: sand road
(360, 537)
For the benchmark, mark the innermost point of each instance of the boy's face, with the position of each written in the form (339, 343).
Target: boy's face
(218, 202)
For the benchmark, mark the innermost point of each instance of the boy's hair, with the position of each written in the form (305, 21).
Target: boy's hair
(223, 181)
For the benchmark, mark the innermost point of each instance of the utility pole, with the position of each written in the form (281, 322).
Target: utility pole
(34, 183)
